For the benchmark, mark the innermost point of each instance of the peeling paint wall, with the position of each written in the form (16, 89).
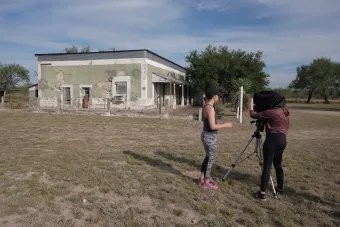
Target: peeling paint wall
(100, 78)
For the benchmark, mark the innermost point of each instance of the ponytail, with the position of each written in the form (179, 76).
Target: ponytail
(286, 112)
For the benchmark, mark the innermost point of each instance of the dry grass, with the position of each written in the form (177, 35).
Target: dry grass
(64, 170)
(315, 106)
(16, 101)
(312, 101)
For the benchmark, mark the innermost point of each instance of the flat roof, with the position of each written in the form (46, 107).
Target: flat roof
(33, 85)
(113, 51)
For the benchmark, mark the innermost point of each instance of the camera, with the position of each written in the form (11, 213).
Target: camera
(265, 100)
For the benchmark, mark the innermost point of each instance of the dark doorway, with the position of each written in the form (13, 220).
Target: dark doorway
(67, 95)
(86, 97)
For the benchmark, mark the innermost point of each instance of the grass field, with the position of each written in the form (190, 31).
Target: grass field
(64, 170)
(312, 101)
(315, 106)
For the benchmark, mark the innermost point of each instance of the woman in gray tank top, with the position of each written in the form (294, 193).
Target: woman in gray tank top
(209, 136)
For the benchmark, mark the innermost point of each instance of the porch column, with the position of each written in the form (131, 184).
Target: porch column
(170, 96)
(175, 100)
(187, 95)
(182, 101)
(191, 97)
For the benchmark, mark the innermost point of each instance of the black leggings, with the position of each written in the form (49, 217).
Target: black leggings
(272, 153)
(204, 164)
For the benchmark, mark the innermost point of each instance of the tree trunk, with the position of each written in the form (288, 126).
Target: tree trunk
(326, 99)
(310, 96)
(3, 99)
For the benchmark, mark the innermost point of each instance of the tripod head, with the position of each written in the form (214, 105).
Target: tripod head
(260, 124)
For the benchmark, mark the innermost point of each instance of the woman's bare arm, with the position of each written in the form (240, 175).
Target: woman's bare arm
(211, 118)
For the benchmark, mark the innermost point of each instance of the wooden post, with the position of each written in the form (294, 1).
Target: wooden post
(182, 100)
(241, 104)
(200, 114)
(59, 103)
(159, 104)
(77, 105)
(167, 105)
(170, 99)
(187, 95)
(159, 98)
(37, 103)
(108, 104)
(175, 97)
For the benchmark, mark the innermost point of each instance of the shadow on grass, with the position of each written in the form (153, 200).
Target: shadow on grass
(333, 209)
(219, 170)
(312, 198)
(159, 164)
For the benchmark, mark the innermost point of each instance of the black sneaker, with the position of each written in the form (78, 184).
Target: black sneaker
(261, 196)
(279, 191)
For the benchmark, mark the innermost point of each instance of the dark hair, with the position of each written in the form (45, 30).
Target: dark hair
(211, 92)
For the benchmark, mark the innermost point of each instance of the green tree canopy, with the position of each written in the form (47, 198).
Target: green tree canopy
(83, 49)
(219, 66)
(321, 76)
(74, 49)
(11, 75)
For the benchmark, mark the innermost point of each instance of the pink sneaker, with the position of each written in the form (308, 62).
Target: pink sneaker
(210, 186)
(201, 180)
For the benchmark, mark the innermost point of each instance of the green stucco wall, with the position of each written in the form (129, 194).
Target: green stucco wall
(96, 75)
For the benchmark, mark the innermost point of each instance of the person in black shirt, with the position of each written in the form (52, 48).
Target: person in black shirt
(209, 136)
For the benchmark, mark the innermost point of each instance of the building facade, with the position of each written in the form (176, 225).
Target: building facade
(126, 79)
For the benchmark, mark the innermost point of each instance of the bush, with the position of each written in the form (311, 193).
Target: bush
(219, 107)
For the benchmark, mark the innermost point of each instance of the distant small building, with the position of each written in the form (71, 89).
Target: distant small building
(4, 89)
(33, 95)
(127, 79)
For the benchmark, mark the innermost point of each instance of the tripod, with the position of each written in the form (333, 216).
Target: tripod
(258, 152)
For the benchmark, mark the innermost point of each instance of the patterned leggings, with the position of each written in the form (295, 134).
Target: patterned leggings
(209, 142)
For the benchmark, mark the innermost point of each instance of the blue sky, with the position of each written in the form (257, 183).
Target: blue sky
(289, 32)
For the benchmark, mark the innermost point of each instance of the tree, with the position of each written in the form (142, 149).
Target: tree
(10, 76)
(84, 49)
(219, 67)
(302, 81)
(321, 76)
(248, 88)
(69, 50)
(110, 49)
(74, 49)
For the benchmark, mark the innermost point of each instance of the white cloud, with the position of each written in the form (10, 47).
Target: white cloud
(299, 31)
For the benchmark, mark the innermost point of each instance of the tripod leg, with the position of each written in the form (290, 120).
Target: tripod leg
(272, 183)
(238, 157)
(258, 151)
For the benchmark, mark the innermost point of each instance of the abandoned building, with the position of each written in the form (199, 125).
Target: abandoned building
(131, 79)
